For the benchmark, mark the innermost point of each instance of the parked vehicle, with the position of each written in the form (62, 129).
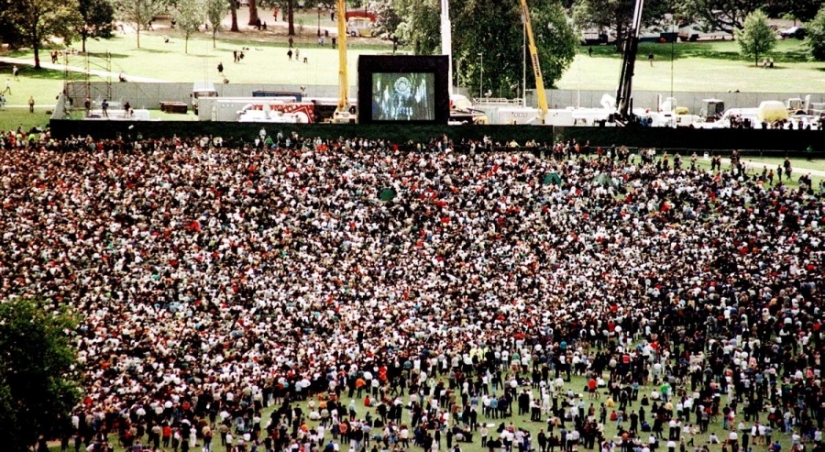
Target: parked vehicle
(695, 32)
(792, 32)
(202, 89)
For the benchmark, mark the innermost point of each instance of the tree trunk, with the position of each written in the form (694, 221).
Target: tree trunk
(290, 17)
(234, 16)
(137, 33)
(253, 12)
(214, 32)
(619, 37)
(186, 44)
(36, 47)
(83, 42)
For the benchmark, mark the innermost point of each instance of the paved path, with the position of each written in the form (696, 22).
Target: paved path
(60, 67)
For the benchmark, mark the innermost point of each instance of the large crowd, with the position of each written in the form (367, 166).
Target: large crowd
(216, 280)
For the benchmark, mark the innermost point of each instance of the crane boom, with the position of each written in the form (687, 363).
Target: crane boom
(631, 47)
(342, 112)
(534, 58)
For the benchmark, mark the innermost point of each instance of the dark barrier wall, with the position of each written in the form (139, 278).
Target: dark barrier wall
(779, 141)
(698, 139)
(396, 133)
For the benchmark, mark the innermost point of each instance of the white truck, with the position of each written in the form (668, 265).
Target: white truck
(202, 89)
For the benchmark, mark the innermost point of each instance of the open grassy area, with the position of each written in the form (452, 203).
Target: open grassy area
(577, 384)
(793, 182)
(701, 66)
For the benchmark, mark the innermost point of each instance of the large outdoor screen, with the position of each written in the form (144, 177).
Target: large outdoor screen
(405, 96)
(403, 89)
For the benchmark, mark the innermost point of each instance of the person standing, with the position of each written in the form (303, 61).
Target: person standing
(16, 72)
(650, 59)
(31, 104)
(220, 68)
(8, 87)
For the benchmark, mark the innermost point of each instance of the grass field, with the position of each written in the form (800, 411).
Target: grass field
(577, 384)
(703, 66)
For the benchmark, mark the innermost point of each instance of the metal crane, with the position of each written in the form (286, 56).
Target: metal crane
(534, 57)
(624, 94)
(343, 113)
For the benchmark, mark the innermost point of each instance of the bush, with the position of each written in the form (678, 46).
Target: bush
(815, 41)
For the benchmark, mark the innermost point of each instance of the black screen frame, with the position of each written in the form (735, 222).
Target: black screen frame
(438, 65)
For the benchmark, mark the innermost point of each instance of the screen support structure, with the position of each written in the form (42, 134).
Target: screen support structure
(447, 41)
(342, 112)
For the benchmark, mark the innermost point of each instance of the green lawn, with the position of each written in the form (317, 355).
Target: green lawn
(577, 384)
(12, 118)
(265, 60)
(698, 67)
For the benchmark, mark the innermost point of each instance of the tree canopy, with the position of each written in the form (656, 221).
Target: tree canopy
(139, 13)
(38, 380)
(189, 16)
(724, 15)
(38, 20)
(97, 20)
(215, 12)
(815, 39)
(616, 15)
(492, 28)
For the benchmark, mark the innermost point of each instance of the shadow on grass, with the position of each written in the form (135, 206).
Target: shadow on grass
(680, 50)
(27, 71)
(104, 55)
(145, 50)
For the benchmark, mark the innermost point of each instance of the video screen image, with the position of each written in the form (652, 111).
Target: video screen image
(403, 96)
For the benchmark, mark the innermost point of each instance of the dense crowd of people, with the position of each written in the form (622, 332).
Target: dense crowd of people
(215, 279)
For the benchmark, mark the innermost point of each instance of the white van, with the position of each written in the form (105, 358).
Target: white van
(695, 32)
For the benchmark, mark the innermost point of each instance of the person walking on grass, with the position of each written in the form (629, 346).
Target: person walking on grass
(31, 104)
(8, 87)
(16, 73)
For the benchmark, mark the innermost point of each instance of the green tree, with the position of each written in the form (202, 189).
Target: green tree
(616, 15)
(724, 15)
(494, 29)
(189, 16)
(215, 12)
(815, 40)
(421, 24)
(288, 7)
(139, 13)
(387, 19)
(802, 10)
(9, 34)
(38, 383)
(39, 20)
(556, 40)
(98, 17)
(756, 37)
